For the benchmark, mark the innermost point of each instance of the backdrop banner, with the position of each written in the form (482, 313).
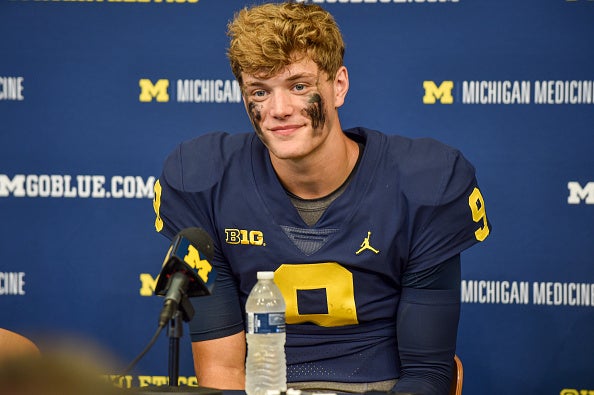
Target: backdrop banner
(94, 94)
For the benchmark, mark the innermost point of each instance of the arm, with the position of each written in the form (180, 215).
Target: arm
(13, 344)
(220, 363)
(447, 216)
(183, 199)
(427, 326)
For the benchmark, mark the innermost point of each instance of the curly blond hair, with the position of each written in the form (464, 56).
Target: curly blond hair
(264, 39)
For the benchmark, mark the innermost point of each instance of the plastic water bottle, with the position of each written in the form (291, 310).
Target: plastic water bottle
(266, 365)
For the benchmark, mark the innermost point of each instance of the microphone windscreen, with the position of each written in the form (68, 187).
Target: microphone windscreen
(200, 239)
(189, 253)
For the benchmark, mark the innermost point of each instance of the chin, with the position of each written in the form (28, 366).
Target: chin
(288, 154)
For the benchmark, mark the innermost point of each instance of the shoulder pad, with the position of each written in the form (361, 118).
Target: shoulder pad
(198, 164)
(432, 172)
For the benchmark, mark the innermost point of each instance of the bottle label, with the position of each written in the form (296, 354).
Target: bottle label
(265, 323)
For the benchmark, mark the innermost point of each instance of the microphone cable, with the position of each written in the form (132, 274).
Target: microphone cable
(150, 344)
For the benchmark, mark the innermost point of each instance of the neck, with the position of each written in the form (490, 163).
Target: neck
(321, 172)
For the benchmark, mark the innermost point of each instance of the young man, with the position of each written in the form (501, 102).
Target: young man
(363, 230)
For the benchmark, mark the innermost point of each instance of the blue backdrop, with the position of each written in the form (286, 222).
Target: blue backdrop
(94, 94)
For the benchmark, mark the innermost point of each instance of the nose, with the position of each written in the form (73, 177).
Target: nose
(281, 105)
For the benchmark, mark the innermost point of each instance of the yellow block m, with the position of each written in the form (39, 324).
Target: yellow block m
(148, 90)
(443, 92)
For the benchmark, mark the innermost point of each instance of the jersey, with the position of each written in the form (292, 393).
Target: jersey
(412, 204)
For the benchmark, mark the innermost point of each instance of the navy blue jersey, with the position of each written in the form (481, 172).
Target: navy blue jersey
(411, 205)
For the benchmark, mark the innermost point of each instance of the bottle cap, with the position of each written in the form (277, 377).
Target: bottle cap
(265, 275)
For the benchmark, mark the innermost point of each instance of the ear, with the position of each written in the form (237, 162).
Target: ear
(341, 86)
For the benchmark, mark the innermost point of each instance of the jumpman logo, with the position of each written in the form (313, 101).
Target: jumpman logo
(366, 246)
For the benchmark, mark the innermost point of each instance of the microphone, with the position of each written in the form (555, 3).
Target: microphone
(186, 271)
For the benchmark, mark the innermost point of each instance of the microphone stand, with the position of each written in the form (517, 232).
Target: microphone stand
(185, 312)
(175, 333)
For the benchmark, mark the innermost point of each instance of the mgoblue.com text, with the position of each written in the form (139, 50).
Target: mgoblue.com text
(78, 186)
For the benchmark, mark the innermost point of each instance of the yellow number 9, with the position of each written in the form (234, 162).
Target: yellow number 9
(334, 278)
(157, 206)
(477, 207)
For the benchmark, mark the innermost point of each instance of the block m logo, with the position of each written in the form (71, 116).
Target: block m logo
(158, 91)
(577, 194)
(443, 92)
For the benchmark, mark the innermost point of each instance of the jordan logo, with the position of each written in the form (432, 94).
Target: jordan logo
(366, 246)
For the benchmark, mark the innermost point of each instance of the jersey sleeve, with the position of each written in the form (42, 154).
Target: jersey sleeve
(446, 208)
(181, 201)
(188, 172)
(427, 322)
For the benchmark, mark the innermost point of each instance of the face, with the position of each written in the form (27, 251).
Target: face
(294, 111)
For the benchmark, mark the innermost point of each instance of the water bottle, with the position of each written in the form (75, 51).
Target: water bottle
(266, 366)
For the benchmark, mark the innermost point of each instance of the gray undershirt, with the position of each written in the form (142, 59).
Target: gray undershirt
(311, 210)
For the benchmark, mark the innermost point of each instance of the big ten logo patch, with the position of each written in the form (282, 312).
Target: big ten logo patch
(244, 237)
